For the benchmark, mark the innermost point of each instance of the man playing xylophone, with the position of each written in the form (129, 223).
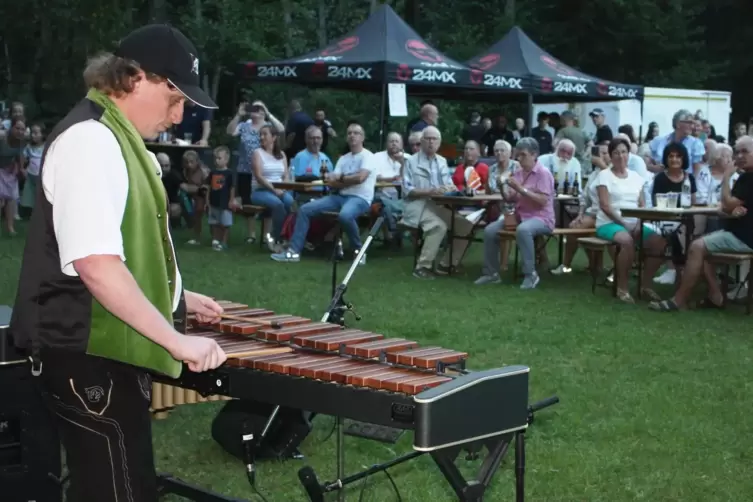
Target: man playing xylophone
(99, 286)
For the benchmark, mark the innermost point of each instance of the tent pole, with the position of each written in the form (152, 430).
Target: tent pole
(529, 128)
(640, 129)
(383, 115)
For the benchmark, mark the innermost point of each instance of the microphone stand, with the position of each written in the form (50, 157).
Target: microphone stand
(338, 306)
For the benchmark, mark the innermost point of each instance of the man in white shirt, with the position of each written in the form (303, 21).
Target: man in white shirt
(353, 182)
(389, 166)
(99, 283)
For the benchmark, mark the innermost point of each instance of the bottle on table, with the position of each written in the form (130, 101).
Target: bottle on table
(323, 170)
(576, 186)
(685, 196)
(566, 185)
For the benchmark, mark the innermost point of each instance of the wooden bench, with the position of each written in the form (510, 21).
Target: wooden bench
(507, 236)
(727, 260)
(594, 248)
(252, 210)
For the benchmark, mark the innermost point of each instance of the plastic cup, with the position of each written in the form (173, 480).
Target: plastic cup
(661, 201)
(672, 199)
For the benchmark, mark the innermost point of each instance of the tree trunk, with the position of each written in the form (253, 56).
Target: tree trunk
(510, 10)
(287, 19)
(321, 31)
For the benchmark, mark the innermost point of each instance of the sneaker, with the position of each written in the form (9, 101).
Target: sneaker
(217, 245)
(287, 256)
(423, 273)
(531, 281)
(561, 270)
(668, 277)
(488, 279)
(193, 242)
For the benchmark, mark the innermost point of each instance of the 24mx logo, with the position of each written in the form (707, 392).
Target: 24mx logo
(446, 77)
(351, 73)
(570, 88)
(503, 82)
(276, 71)
(621, 92)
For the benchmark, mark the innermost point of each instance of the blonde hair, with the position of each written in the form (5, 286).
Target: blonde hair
(114, 75)
(223, 149)
(191, 155)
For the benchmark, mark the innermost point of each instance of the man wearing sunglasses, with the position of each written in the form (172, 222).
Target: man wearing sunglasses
(100, 301)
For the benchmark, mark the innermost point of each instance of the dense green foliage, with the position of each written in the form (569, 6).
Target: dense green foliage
(670, 43)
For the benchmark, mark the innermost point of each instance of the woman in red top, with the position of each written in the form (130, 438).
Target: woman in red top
(470, 159)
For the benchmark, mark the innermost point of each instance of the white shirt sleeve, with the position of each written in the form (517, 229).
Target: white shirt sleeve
(86, 181)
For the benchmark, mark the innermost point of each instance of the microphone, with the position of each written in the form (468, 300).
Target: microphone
(307, 476)
(249, 457)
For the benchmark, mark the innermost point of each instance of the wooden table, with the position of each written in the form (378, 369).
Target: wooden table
(309, 186)
(685, 216)
(454, 202)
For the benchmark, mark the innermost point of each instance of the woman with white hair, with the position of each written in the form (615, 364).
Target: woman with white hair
(502, 167)
(709, 183)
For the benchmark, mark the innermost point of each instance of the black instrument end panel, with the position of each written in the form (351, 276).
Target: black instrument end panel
(473, 406)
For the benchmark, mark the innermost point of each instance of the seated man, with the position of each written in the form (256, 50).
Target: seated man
(352, 182)
(736, 237)
(389, 166)
(562, 164)
(531, 188)
(426, 174)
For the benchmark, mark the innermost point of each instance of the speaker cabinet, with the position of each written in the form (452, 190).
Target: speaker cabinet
(29, 446)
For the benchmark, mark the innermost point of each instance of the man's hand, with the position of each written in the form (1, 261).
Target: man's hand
(279, 193)
(203, 142)
(331, 176)
(207, 310)
(199, 353)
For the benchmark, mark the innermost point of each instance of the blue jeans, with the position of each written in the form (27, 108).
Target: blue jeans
(279, 207)
(350, 208)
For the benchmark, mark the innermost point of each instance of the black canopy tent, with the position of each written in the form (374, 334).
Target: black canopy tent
(381, 50)
(544, 78)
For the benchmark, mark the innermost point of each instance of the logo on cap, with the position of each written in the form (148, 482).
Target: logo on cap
(195, 66)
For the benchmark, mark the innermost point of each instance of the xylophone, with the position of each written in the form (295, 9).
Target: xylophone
(321, 367)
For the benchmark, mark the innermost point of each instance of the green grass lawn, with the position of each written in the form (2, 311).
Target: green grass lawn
(653, 406)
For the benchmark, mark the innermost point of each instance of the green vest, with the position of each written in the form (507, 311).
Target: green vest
(148, 251)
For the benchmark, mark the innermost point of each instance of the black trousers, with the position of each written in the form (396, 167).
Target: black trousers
(101, 409)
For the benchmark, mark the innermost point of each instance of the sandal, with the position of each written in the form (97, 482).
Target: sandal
(708, 303)
(650, 294)
(624, 296)
(664, 306)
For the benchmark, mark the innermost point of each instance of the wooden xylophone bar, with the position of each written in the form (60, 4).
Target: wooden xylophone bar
(259, 339)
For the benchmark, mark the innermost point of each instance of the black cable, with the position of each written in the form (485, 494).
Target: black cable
(363, 488)
(392, 482)
(331, 431)
(255, 489)
(397, 492)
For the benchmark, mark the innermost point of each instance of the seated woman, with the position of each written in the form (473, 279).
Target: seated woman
(498, 172)
(619, 188)
(471, 176)
(195, 177)
(531, 189)
(269, 165)
(709, 183)
(674, 179)
(587, 209)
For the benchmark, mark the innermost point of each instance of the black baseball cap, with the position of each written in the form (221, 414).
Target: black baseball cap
(596, 112)
(166, 52)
